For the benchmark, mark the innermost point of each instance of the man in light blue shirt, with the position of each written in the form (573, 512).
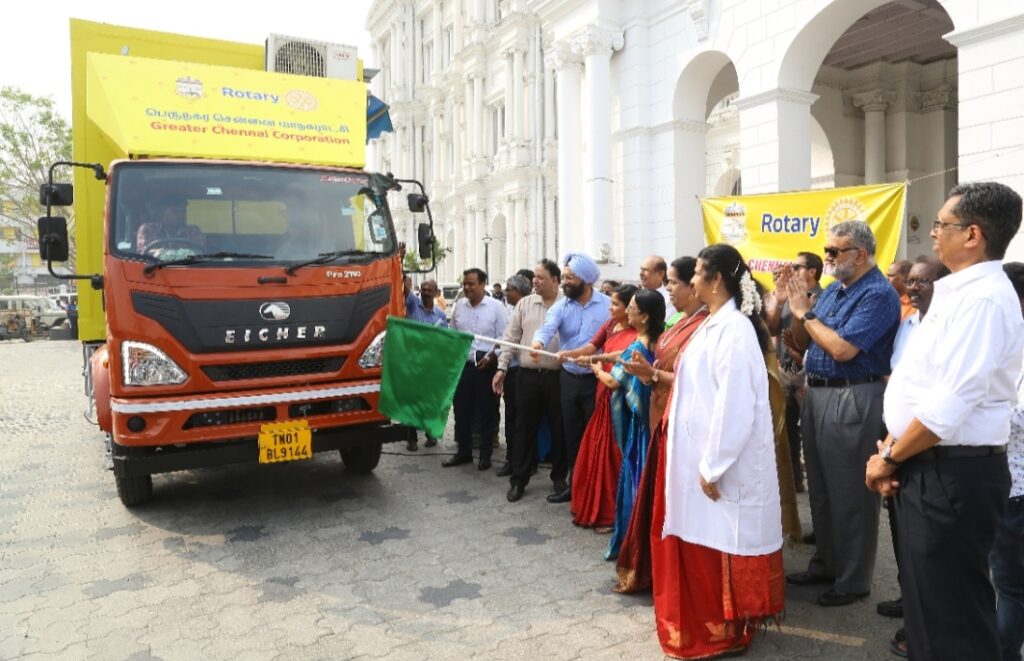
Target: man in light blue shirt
(423, 310)
(575, 319)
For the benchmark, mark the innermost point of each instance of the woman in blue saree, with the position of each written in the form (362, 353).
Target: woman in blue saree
(630, 405)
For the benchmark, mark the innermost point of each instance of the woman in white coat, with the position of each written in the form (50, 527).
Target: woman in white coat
(718, 570)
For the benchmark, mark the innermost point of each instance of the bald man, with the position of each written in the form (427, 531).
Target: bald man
(654, 275)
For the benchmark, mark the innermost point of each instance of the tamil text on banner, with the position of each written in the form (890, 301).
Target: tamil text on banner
(422, 366)
(167, 108)
(769, 230)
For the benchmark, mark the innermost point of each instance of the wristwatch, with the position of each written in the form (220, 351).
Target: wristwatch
(654, 377)
(809, 316)
(887, 456)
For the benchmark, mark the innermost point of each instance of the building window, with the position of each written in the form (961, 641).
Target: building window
(448, 48)
(427, 61)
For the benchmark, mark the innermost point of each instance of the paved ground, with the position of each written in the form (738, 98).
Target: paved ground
(307, 561)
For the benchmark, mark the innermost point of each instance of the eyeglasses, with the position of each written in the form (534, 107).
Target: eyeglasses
(939, 225)
(832, 253)
(919, 282)
(797, 267)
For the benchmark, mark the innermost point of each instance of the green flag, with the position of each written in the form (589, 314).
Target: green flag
(422, 366)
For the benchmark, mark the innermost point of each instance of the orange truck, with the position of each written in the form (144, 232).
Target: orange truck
(242, 261)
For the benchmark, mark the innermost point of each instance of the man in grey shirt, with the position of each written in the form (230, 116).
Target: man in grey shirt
(537, 383)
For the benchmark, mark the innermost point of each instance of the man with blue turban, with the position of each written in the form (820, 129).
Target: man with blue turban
(576, 318)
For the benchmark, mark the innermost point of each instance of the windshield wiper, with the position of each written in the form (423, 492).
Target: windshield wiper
(196, 259)
(324, 258)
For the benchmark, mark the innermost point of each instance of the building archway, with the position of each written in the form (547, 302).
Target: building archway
(886, 85)
(708, 75)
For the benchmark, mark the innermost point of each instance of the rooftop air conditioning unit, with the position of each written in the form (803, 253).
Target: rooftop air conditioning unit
(311, 58)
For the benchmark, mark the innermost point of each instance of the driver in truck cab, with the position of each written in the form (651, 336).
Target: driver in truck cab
(171, 231)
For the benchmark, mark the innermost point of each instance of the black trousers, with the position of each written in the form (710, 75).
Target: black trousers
(511, 407)
(578, 392)
(947, 512)
(538, 394)
(476, 405)
(793, 432)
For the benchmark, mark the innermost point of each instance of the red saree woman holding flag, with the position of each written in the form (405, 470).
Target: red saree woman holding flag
(716, 529)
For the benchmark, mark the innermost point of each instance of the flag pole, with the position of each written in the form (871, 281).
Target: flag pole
(513, 345)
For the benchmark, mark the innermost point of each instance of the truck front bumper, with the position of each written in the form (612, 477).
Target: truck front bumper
(147, 460)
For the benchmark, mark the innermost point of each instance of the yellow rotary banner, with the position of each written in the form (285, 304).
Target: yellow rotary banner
(769, 230)
(169, 108)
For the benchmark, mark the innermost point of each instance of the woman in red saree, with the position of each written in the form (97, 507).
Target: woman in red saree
(595, 476)
(716, 529)
(634, 564)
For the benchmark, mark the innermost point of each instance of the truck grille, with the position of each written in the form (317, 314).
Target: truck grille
(231, 417)
(240, 371)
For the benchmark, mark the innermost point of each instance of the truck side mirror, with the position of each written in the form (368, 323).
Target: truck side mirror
(53, 238)
(56, 195)
(417, 202)
(425, 239)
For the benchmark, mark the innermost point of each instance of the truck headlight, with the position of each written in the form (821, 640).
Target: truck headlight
(374, 354)
(145, 365)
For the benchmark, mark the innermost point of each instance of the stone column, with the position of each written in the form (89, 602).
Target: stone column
(395, 75)
(874, 104)
(775, 140)
(456, 137)
(549, 110)
(517, 94)
(437, 145)
(520, 236)
(479, 231)
(552, 244)
(512, 238)
(457, 28)
(478, 114)
(470, 120)
(510, 103)
(570, 194)
(596, 46)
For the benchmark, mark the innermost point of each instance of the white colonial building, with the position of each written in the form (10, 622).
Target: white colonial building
(541, 126)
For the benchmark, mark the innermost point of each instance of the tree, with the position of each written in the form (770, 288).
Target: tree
(33, 135)
(411, 262)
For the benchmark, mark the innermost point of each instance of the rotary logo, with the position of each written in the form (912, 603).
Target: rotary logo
(844, 209)
(188, 87)
(734, 226)
(301, 100)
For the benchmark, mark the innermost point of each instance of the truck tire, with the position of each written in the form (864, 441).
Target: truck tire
(363, 459)
(134, 490)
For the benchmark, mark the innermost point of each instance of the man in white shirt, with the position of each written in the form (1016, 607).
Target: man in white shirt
(654, 275)
(482, 315)
(948, 407)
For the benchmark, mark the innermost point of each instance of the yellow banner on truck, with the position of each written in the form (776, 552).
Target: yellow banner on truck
(166, 108)
(769, 230)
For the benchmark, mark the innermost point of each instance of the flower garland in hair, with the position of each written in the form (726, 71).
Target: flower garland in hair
(750, 302)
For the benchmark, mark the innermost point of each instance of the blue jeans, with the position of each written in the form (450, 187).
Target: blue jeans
(1007, 561)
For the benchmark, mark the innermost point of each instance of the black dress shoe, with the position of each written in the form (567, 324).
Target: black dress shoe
(456, 461)
(807, 578)
(561, 496)
(515, 492)
(892, 608)
(505, 470)
(832, 598)
(484, 464)
(431, 442)
(411, 445)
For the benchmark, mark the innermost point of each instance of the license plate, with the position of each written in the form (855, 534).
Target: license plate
(285, 441)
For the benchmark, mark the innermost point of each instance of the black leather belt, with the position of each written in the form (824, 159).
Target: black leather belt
(535, 370)
(958, 451)
(823, 382)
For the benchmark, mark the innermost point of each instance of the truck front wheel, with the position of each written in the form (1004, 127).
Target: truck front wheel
(363, 459)
(134, 490)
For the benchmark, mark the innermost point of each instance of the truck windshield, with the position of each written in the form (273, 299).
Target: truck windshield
(209, 214)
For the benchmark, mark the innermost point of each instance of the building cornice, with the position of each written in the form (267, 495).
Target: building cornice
(986, 31)
(778, 94)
